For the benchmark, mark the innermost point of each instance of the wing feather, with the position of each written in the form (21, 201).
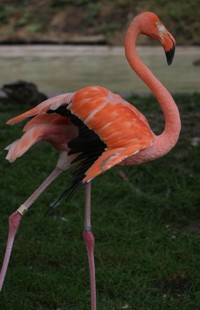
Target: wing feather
(52, 103)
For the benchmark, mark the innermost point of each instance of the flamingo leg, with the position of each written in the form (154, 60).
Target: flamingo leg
(15, 219)
(89, 241)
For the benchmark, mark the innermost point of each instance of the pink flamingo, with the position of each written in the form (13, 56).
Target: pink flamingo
(96, 130)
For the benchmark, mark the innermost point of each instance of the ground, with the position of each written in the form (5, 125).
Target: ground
(85, 21)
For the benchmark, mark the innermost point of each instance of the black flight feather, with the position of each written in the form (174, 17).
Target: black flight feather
(88, 147)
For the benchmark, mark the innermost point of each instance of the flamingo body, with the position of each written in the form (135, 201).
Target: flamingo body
(119, 127)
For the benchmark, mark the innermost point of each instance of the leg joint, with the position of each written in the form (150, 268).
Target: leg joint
(87, 227)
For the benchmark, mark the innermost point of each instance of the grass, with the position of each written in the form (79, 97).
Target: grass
(146, 221)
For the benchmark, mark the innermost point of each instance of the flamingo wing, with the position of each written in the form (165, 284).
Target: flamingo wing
(110, 130)
(52, 103)
(20, 146)
(52, 128)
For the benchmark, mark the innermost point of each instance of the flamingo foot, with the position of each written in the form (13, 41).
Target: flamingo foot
(89, 241)
(14, 222)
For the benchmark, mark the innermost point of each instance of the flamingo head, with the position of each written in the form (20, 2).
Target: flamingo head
(150, 24)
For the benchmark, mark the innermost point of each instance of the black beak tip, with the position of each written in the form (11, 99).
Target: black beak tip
(170, 55)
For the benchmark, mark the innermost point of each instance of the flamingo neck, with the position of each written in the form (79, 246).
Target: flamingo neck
(164, 142)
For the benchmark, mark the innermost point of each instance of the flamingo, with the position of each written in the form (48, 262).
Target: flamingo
(96, 130)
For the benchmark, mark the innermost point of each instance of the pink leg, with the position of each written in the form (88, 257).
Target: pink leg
(89, 241)
(15, 218)
(14, 221)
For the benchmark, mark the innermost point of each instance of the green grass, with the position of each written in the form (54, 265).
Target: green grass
(147, 228)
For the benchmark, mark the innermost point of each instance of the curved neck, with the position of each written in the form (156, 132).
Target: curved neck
(168, 138)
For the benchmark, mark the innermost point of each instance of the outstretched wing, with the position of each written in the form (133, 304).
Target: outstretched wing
(109, 129)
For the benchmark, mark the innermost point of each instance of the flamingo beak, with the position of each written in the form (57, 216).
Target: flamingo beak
(167, 40)
(169, 45)
(170, 54)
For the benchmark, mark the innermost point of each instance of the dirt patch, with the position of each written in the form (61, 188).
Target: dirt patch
(192, 229)
(175, 285)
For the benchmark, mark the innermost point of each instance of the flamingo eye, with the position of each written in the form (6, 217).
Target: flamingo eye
(161, 27)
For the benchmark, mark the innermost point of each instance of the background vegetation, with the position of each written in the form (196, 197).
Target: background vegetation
(84, 21)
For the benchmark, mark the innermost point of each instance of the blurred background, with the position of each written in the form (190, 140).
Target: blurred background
(84, 21)
(146, 219)
(68, 44)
